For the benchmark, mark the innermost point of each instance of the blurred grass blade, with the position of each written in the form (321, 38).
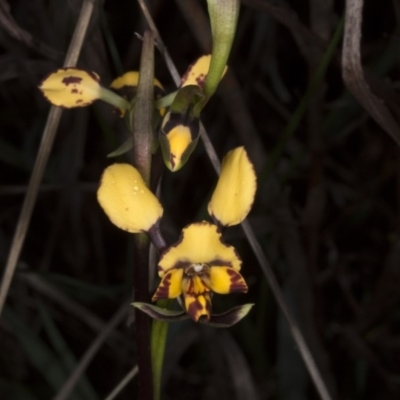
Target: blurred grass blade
(41, 357)
(128, 377)
(353, 75)
(301, 109)
(65, 355)
(65, 389)
(43, 156)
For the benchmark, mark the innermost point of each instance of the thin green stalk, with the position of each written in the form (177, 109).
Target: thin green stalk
(159, 332)
(150, 346)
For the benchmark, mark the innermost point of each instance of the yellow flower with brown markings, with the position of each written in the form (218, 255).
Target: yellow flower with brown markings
(200, 263)
(71, 87)
(197, 265)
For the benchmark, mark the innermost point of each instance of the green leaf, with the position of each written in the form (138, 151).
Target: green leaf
(124, 148)
(223, 17)
(161, 314)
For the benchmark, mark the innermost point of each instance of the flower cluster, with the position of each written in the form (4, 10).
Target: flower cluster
(199, 263)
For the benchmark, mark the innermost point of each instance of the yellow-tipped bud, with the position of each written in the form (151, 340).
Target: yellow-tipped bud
(197, 72)
(71, 87)
(130, 78)
(126, 199)
(178, 138)
(234, 195)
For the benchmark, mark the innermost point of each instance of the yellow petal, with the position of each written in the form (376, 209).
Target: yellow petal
(234, 195)
(126, 199)
(130, 78)
(170, 286)
(71, 87)
(179, 139)
(197, 72)
(225, 280)
(199, 243)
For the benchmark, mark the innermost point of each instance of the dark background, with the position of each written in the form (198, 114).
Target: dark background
(326, 212)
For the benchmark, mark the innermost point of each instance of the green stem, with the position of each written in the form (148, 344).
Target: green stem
(150, 347)
(112, 98)
(142, 321)
(159, 332)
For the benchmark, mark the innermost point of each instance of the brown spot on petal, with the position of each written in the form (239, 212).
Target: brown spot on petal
(69, 80)
(74, 91)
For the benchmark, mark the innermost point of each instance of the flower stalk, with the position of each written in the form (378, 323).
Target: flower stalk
(141, 123)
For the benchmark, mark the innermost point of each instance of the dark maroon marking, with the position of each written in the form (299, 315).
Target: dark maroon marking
(93, 75)
(200, 80)
(237, 284)
(184, 77)
(74, 91)
(171, 160)
(220, 263)
(163, 290)
(194, 309)
(69, 80)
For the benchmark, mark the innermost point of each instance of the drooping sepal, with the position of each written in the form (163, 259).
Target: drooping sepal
(235, 191)
(229, 318)
(224, 320)
(161, 314)
(127, 200)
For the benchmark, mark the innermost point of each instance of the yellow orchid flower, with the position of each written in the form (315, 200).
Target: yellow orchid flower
(197, 265)
(200, 263)
(73, 87)
(179, 132)
(126, 199)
